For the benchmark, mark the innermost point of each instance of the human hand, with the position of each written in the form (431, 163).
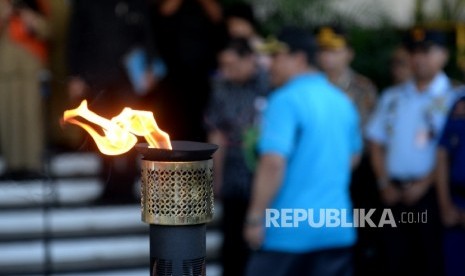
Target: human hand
(414, 192)
(30, 19)
(149, 81)
(170, 7)
(390, 195)
(77, 89)
(254, 232)
(213, 10)
(450, 215)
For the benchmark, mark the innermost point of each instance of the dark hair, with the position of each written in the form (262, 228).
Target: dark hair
(299, 40)
(240, 46)
(242, 10)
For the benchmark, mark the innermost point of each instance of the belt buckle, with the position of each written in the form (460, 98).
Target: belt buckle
(402, 184)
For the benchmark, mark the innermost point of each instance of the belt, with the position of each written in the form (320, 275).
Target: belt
(402, 184)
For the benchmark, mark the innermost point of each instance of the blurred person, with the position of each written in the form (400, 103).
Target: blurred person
(101, 35)
(451, 187)
(58, 98)
(238, 92)
(24, 32)
(403, 132)
(334, 57)
(400, 65)
(189, 35)
(241, 23)
(307, 151)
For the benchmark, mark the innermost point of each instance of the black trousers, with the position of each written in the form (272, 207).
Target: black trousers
(331, 262)
(415, 248)
(368, 252)
(235, 252)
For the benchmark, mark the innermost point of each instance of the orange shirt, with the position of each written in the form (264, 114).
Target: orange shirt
(19, 33)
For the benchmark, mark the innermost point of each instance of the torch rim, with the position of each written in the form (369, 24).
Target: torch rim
(182, 151)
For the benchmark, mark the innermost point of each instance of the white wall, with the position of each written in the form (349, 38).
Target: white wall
(366, 12)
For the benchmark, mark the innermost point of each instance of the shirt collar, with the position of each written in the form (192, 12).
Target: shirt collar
(345, 79)
(439, 86)
(305, 75)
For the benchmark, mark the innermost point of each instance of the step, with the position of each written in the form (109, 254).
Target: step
(71, 164)
(85, 253)
(75, 164)
(78, 254)
(37, 192)
(63, 222)
(213, 269)
(73, 222)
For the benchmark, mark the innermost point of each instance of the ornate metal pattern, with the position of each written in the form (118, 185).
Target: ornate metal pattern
(177, 193)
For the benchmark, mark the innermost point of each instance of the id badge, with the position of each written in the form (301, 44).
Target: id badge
(422, 138)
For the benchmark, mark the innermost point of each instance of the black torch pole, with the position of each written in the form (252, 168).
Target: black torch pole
(177, 250)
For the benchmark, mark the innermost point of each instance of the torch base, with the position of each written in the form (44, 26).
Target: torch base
(177, 250)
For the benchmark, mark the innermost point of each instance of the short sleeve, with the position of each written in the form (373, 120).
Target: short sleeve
(376, 127)
(447, 131)
(444, 138)
(356, 133)
(279, 127)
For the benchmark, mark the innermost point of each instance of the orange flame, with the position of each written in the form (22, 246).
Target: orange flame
(121, 131)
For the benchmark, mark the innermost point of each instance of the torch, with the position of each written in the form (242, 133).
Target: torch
(176, 192)
(177, 202)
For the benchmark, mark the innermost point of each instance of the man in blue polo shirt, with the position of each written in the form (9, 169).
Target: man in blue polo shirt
(310, 139)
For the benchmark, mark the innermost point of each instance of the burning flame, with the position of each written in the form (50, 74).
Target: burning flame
(120, 132)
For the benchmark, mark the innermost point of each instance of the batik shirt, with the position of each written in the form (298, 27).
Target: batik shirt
(234, 109)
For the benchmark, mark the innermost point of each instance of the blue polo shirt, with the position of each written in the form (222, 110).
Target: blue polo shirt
(408, 123)
(315, 127)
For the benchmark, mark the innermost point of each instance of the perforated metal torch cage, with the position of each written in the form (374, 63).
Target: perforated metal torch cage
(177, 193)
(177, 202)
